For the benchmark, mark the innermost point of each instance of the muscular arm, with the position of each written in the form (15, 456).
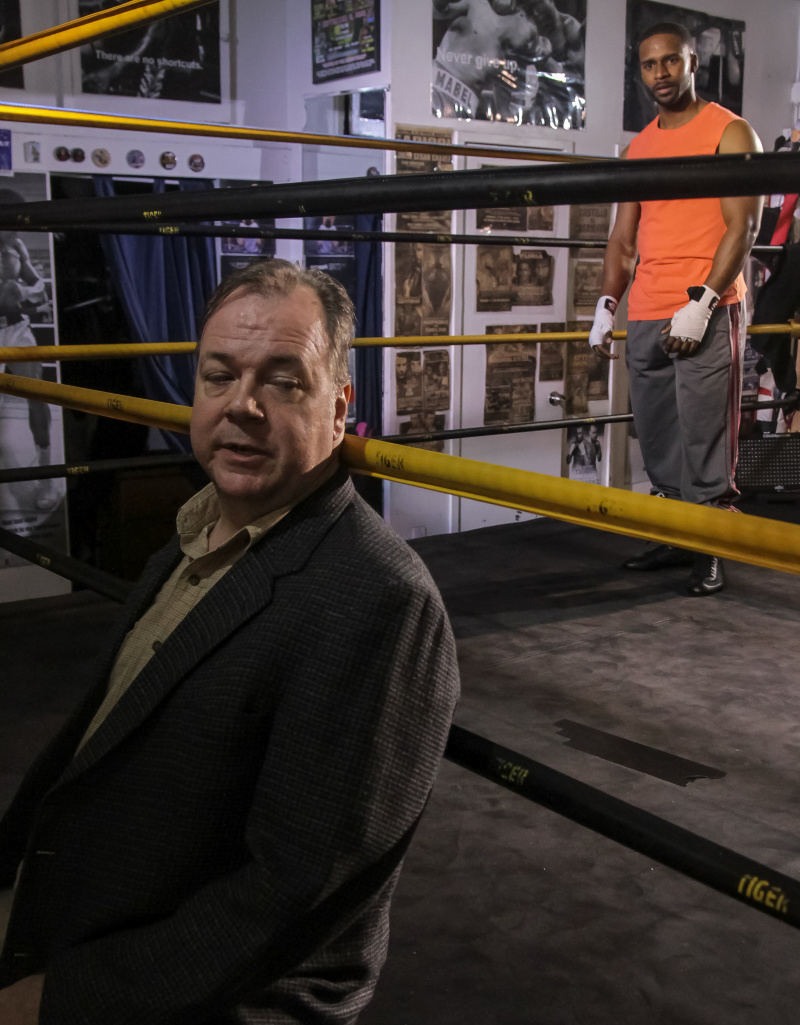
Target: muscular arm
(619, 264)
(742, 214)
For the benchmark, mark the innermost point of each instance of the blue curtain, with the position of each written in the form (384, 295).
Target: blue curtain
(163, 283)
(369, 323)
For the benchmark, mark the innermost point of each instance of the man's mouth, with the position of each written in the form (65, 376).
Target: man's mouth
(241, 452)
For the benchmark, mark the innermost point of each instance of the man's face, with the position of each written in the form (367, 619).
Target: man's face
(266, 416)
(667, 65)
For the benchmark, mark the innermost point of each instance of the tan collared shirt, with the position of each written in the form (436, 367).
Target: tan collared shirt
(194, 577)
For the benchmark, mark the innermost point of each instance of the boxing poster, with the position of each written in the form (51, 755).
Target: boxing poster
(174, 58)
(590, 221)
(422, 382)
(597, 389)
(10, 29)
(423, 271)
(584, 453)
(31, 432)
(576, 380)
(510, 383)
(718, 42)
(346, 38)
(514, 218)
(424, 163)
(586, 272)
(518, 61)
(551, 354)
(533, 278)
(505, 278)
(408, 382)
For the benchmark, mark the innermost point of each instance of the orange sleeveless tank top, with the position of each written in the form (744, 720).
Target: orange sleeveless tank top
(678, 237)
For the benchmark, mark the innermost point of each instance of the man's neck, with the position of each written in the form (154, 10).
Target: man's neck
(677, 117)
(235, 515)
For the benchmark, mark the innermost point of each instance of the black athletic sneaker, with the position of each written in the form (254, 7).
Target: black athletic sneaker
(707, 577)
(660, 557)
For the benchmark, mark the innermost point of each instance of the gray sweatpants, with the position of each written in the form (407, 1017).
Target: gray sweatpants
(686, 408)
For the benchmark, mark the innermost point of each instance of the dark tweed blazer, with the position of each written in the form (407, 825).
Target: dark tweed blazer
(225, 846)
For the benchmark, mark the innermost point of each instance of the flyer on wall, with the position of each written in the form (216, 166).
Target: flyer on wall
(522, 63)
(551, 354)
(586, 271)
(346, 38)
(423, 271)
(513, 218)
(510, 394)
(505, 279)
(584, 453)
(718, 43)
(173, 58)
(31, 432)
(590, 221)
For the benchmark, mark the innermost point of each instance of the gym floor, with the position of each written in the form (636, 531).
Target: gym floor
(506, 913)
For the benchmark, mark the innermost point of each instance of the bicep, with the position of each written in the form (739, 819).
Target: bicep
(739, 137)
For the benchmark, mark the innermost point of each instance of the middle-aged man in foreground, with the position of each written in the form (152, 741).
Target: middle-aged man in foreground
(684, 358)
(215, 834)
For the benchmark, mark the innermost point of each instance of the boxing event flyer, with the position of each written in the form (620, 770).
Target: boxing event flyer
(174, 58)
(346, 38)
(31, 432)
(423, 271)
(514, 218)
(518, 61)
(719, 43)
(510, 378)
(584, 453)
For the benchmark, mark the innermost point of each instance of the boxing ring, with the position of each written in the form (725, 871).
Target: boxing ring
(759, 542)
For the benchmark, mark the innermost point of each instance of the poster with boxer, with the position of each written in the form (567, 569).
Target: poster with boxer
(518, 61)
(31, 432)
(586, 273)
(533, 278)
(346, 38)
(10, 29)
(510, 396)
(173, 58)
(718, 42)
(551, 354)
(584, 453)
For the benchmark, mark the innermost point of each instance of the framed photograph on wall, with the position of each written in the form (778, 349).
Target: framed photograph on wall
(175, 58)
(718, 42)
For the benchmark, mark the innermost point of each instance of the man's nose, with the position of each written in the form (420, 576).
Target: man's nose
(245, 403)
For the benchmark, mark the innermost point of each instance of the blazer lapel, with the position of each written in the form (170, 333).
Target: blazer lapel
(242, 592)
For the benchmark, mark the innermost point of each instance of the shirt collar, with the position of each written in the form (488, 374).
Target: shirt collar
(196, 519)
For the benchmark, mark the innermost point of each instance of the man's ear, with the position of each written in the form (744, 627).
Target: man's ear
(694, 62)
(343, 399)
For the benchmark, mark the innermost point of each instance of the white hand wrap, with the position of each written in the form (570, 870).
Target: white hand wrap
(603, 319)
(691, 320)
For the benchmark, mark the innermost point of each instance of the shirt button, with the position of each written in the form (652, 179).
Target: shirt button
(194, 580)
(156, 645)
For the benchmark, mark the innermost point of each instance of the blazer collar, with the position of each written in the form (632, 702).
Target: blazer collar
(242, 592)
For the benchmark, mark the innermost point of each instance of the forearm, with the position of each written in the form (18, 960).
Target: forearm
(729, 259)
(618, 269)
